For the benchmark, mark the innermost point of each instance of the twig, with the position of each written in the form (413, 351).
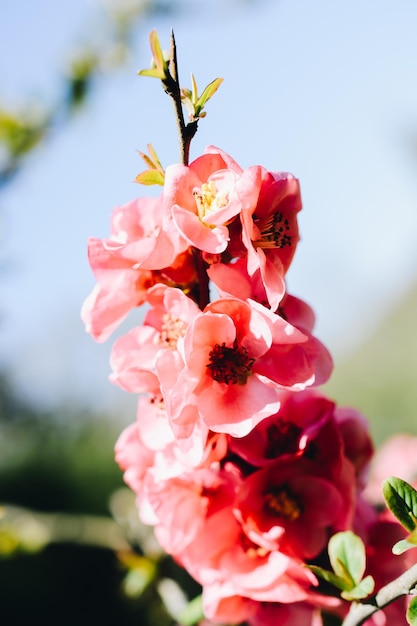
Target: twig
(172, 87)
(203, 280)
(32, 530)
(401, 586)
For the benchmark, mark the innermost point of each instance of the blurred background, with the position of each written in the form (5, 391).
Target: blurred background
(324, 90)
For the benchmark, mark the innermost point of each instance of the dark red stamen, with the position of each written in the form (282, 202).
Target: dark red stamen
(230, 365)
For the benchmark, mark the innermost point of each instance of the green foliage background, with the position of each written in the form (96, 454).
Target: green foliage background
(380, 377)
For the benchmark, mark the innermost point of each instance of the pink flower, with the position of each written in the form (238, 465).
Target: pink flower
(219, 353)
(170, 313)
(205, 196)
(270, 230)
(133, 457)
(233, 280)
(183, 504)
(238, 609)
(304, 422)
(228, 564)
(103, 311)
(298, 485)
(135, 354)
(357, 442)
(133, 358)
(142, 242)
(290, 506)
(396, 457)
(220, 350)
(236, 356)
(297, 614)
(155, 463)
(296, 359)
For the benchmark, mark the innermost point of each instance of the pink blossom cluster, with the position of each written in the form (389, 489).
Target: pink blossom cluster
(244, 470)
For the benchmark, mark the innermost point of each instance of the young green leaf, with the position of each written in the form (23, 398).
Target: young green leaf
(195, 103)
(194, 91)
(155, 158)
(330, 577)
(208, 92)
(347, 556)
(157, 53)
(148, 160)
(362, 590)
(150, 177)
(411, 615)
(159, 62)
(406, 544)
(153, 73)
(401, 499)
(189, 106)
(155, 174)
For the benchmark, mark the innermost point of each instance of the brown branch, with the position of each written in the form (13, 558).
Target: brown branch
(401, 586)
(172, 87)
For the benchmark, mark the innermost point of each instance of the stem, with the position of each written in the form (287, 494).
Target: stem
(172, 87)
(203, 280)
(401, 586)
(34, 530)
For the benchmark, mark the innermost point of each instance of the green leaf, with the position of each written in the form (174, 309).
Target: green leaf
(160, 59)
(345, 574)
(411, 615)
(150, 177)
(153, 73)
(362, 590)
(186, 93)
(405, 544)
(347, 556)
(189, 106)
(155, 174)
(208, 92)
(157, 53)
(194, 92)
(329, 577)
(148, 160)
(155, 158)
(401, 499)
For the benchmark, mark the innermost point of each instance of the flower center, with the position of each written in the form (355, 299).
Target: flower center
(230, 365)
(253, 551)
(280, 501)
(209, 200)
(172, 329)
(283, 438)
(274, 232)
(158, 402)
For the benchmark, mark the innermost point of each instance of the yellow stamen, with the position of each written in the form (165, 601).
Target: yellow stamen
(172, 329)
(282, 503)
(274, 231)
(209, 200)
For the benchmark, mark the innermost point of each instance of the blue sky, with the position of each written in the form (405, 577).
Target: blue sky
(326, 90)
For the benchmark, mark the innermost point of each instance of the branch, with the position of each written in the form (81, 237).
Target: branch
(401, 586)
(30, 531)
(172, 87)
(203, 280)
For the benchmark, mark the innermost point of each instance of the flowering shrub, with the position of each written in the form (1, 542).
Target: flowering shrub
(244, 468)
